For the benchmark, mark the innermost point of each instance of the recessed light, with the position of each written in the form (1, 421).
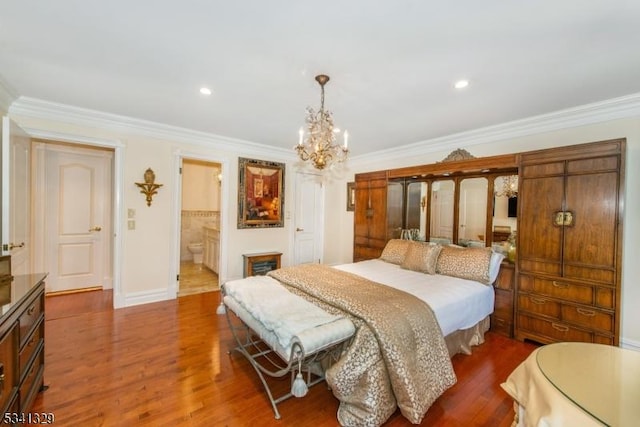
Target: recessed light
(461, 84)
(205, 91)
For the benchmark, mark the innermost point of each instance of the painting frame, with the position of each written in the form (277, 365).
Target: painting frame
(260, 193)
(351, 196)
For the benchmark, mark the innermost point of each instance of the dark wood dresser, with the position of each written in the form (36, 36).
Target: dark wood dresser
(21, 341)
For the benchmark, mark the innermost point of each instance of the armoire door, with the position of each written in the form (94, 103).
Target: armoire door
(370, 216)
(592, 202)
(540, 197)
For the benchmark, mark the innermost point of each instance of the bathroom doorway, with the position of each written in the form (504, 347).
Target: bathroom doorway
(200, 227)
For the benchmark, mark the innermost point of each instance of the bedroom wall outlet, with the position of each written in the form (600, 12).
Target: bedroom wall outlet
(131, 224)
(131, 213)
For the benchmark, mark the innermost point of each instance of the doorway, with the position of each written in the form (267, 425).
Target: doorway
(200, 226)
(73, 193)
(309, 208)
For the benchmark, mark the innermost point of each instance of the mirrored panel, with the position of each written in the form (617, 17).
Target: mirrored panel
(394, 209)
(442, 201)
(472, 210)
(416, 215)
(505, 207)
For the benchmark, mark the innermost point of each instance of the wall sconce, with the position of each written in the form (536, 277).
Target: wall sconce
(149, 187)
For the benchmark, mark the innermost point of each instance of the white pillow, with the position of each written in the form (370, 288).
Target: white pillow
(494, 266)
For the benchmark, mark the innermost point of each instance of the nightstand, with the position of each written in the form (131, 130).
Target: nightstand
(502, 317)
(259, 264)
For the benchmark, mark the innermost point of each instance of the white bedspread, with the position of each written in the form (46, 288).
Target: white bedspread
(262, 296)
(457, 303)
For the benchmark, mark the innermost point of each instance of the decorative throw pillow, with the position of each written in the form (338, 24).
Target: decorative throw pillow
(465, 263)
(395, 251)
(421, 257)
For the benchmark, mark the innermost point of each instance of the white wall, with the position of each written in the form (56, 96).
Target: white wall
(200, 186)
(148, 260)
(339, 232)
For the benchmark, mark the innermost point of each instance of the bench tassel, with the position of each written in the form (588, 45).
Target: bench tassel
(299, 387)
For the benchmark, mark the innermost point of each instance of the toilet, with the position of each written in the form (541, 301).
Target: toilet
(196, 249)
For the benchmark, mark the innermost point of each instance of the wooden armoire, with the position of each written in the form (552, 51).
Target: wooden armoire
(570, 243)
(370, 215)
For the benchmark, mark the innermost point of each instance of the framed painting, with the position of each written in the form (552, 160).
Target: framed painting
(351, 196)
(260, 193)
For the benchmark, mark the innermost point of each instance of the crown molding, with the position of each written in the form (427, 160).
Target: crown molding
(46, 110)
(611, 109)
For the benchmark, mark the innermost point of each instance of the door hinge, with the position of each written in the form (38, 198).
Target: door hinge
(180, 170)
(177, 277)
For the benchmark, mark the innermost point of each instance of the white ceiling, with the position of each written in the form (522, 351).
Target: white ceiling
(392, 63)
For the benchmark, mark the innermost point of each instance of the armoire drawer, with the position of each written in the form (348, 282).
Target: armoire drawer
(538, 304)
(583, 294)
(588, 316)
(555, 330)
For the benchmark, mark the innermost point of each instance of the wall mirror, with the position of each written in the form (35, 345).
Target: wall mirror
(442, 202)
(395, 196)
(505, 207)
(415, 216)
(472, 212)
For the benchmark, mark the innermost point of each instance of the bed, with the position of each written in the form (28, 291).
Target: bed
(399, 355)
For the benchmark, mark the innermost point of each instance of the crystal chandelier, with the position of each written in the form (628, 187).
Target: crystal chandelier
(319, 143)
(509, 186)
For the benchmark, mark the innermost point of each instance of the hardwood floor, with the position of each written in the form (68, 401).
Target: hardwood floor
(166, 364)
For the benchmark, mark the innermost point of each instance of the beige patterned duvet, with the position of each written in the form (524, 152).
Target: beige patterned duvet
(398, 357)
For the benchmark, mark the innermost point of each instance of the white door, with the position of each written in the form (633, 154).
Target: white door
(16, 196)
(76, 217)
(309, 208)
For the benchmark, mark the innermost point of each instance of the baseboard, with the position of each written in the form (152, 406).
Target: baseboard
(630, 344)
(145, 297)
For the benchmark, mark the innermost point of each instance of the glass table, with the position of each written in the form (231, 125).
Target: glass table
(602, 380)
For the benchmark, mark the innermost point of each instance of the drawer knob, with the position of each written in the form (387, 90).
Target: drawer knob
(538, 301)
(560, 285)
(31, 310)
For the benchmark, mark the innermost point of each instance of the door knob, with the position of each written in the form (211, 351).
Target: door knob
(299, 229)
(96, 228)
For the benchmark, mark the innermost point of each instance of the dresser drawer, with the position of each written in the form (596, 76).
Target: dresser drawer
(583, 294)
(30, 317)
(8, 349)
(501, 326)
(32, 381)
(504, 305)
(552, 330)
(32, 344)
(588, 316)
